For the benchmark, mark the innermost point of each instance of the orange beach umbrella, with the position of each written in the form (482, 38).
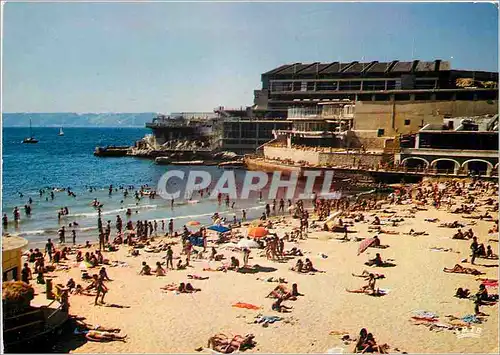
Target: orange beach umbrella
(257, 232)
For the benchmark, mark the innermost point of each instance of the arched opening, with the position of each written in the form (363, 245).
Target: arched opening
(415, 163)
(477, 167)
(445, 166)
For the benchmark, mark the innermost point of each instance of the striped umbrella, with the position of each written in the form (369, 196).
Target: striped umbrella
(365, 244)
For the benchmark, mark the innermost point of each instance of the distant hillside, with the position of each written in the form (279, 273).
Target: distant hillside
(77, 119)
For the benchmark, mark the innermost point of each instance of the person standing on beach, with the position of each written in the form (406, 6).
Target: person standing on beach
(73, 233)
(172, 203)
(16, 214)
(49, 248)
(171, 227)
(282, 205)
(62, 235)
(474, 248)
(268, 210)
(155, 226)
(26, 274)
(119, 224)
(99, 224)
(108, 231)
(246, 256)
(5, 220)
(170, 257)
(101, 241)
(163, 225)
(244, 217)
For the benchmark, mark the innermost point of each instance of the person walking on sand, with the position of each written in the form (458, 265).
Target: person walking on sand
(98, 284)
(49, 248)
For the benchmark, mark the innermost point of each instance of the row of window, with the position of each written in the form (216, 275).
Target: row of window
(350, 85)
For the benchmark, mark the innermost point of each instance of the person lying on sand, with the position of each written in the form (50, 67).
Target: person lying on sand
(279, 307)
(412, 232)
(366, 275)
(196, 277)
(281, 291)
(103, 337)
(453, 224)
(222, 344)
(293, 252)
(458, 269)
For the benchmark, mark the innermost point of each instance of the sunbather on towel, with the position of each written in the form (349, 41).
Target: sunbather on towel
(458, 269)
(222, 344)
(281, 291)
(366, 275)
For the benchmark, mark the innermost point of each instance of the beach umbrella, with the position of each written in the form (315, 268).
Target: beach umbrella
(248, 243)
(258, 232)
(219, 229)
(365, 244)
(193, 223)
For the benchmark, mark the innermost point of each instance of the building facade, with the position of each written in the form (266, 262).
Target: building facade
(394, 97)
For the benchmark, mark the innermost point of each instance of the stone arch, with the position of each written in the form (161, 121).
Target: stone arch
(456, 163)
(489, 166)
(479, 160)
(417, 158)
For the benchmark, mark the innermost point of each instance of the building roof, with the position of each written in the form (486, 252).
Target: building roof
(357, 67)
(12, 242)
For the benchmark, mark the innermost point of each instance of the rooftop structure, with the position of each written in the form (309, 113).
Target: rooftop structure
(309, 83)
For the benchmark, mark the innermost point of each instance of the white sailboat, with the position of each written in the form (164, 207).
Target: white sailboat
(61, 133)
(30, 139)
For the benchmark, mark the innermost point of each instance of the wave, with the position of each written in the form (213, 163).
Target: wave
(118, 210)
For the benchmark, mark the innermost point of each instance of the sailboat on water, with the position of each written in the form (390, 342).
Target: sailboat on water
(30, 139)
(61, 133)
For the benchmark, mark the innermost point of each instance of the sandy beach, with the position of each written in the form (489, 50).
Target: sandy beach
(156, 321)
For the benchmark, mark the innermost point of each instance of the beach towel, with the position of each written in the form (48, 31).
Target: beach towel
(490, 283)
(425, 314)
(260, 319)
(246, 305)
(470, 318)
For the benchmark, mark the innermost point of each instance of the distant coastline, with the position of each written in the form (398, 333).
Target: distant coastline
(73, 119)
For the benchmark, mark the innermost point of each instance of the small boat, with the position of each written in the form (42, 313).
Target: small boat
(61, 133)
(191, 162)
(30, 139)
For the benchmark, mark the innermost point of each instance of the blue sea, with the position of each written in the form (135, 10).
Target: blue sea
(68, 161)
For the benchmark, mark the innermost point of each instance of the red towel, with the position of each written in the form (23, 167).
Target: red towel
(246, 305)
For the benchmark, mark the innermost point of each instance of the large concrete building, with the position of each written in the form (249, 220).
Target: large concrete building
(390, 98)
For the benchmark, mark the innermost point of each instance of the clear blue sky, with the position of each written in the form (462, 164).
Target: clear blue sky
(92, 57)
